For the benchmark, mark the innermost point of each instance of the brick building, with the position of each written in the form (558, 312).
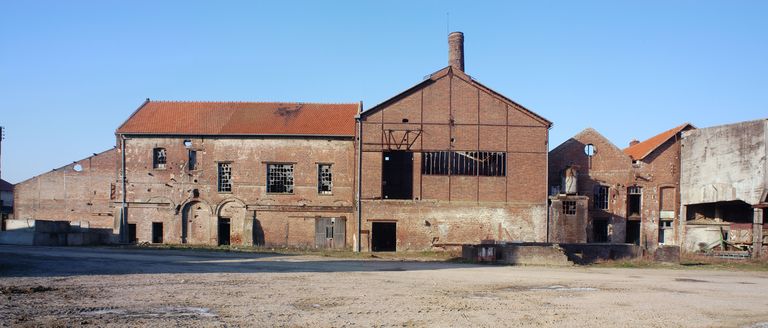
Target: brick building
(634, 194)
(237, 173)
(81, 192)
(450, 161)
(6, 201)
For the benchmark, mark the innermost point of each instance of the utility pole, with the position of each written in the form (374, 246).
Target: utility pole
(2, 137)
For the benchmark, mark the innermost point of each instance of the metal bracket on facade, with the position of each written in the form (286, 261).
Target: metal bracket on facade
(405, 142)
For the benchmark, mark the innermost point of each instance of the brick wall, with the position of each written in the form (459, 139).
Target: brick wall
(66, 194)
(178, 196)
(610, 167)
(451, 112)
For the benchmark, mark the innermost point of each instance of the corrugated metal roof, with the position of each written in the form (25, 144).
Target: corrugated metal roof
(242, 118)
(645, 148)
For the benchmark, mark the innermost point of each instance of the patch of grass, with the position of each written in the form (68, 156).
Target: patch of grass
(331, 253)
(689, 262)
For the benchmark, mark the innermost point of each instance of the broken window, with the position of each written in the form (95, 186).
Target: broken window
(635, 198)
(158, 158)
(324, 179)
(590, 150)
(601, 197)
(192, 160)
(280, 178)
(225, 177)
(569, 207)
(471, 163)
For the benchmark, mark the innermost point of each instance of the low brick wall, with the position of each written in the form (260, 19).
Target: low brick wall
(590, 253)
(52, 233)
(558, 254)
(516, 254)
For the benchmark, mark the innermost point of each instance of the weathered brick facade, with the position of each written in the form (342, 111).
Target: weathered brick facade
(450, 113)
(656, 172)
(67, 194)
(190, 206)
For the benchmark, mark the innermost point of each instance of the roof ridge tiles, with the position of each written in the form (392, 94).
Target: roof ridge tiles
(252, 102)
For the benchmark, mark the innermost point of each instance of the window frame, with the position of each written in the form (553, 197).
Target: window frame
(218, 177)
(189, 159)
(319, 179)
(267, 178)
(156, 165)
(470, 163)
(597, 199)
(570, 207)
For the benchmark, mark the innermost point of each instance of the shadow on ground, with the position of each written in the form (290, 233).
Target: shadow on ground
(37, 261)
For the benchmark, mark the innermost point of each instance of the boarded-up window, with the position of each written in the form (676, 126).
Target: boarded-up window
(324, 179)
(159, 158)
(225, 177)
(668, 199)
(280, 178)
(472, 163)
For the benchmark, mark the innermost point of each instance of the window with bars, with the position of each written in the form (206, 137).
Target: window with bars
(600, 197)
(482, 163)
(159, 158)
(324, 179)
(280, 178)
(569, 207)
(225, 177)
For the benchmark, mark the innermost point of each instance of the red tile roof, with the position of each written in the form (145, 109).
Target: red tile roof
(645, 148)
(241, 118)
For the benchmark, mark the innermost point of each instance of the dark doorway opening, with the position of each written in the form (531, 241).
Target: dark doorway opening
(258, 233)
(223, 231)
(132, 233)
(384, 236)
(600, 231)
(157, 232)
(397, 175)
(185, 223)
(633, 232)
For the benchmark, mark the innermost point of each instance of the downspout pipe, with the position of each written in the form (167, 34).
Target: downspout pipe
(359, 178)
(123, 205)
(546, 202)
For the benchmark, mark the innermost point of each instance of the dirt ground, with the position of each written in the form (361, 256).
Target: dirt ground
(109, 287)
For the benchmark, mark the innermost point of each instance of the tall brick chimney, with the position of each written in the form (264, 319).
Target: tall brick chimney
(456, 50)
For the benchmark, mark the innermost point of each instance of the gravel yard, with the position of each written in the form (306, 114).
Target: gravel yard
(110, 287)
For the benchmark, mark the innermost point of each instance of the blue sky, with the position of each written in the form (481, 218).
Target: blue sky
(72, 71)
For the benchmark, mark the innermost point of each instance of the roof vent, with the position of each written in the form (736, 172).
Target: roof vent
(634, 142)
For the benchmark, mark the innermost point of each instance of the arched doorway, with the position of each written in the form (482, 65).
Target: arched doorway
(194, 221)
(231, 223)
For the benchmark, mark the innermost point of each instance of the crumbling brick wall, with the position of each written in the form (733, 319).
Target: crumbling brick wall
(67, 194)
(179, 197)
(657, 174)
